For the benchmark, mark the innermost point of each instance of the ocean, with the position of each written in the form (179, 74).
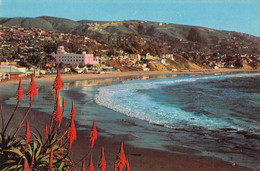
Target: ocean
(217, 115)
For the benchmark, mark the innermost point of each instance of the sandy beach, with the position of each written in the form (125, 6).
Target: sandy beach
(140, 159)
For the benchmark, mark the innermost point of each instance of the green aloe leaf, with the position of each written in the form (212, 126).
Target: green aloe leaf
(61, 166)
(10, 131)
(34, 145)
(29, 149)
(10, 161)
(54, 139)
(38, 152)
(16, 151)
(12, 167)
(9, 143)
(40, 139)
(45, 159)
(37, 138)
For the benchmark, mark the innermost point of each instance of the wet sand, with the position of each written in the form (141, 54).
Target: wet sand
(140, 159)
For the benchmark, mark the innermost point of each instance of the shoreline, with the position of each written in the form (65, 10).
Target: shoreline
(70, 77)
(139, 158)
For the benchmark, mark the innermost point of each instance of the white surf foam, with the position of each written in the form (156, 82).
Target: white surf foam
(125, 98)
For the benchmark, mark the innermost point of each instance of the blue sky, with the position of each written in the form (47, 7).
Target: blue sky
(235, 15)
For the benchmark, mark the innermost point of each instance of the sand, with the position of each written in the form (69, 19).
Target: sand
(139, 159)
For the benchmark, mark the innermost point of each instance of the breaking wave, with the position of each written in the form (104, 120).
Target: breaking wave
(135, 99)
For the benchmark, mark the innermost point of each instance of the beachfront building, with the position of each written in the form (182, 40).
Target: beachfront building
(12, 71)
(73, 59)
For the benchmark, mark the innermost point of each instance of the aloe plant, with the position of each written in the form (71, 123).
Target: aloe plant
(51, 151)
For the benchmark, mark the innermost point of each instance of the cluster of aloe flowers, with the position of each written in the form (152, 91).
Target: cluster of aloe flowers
(33, 151)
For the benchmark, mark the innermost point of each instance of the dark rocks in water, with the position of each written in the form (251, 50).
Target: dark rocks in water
(136, 155)
(249, 135)
(179, 149)
(181, 129)
(161, 125)
(228, 129)
(128, 122)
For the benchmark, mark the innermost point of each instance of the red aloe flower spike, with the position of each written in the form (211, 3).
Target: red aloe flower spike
(121, 159)
(127, 165)
(27, 134)
(83, 165)
(57, 83)
(57, 111)
(73, 112)
(71, 134)
(19, 93)
(93, 134)
(26, 165)
(32, 90)
(90, 165)
(102, 162)
(61, 151)
(19, 96)
(51, 158)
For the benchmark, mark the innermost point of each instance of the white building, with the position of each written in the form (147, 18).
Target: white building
(73, 59)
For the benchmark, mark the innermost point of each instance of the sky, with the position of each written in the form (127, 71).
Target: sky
(233, 15)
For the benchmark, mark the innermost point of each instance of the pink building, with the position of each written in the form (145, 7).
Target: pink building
(73, 59)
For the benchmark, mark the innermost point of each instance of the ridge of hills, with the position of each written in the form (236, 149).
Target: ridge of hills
(193, 46)
(136, 27)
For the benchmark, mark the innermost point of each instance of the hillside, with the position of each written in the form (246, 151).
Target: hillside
(164, 31)
(181, 64)
(193, 47)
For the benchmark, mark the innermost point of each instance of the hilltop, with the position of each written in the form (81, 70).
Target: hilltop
(165, 31)
(193, 47)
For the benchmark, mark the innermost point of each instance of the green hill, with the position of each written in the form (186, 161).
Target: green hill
(142, 28)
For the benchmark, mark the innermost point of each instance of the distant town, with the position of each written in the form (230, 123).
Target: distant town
(24, 51)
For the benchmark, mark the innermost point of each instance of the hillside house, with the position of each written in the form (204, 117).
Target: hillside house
(150, 57)
(167, 56)
(133, 57)
(163, 61)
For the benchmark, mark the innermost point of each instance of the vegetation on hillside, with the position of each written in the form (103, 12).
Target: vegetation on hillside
(204, 47)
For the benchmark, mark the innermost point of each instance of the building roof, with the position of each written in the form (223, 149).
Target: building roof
(11, 70)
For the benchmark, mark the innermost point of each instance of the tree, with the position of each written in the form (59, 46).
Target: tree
(151, 30)
(61, 66)
(195, 36)
(41, 61)
(238, 64)
(140, 29)
(50, 47)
